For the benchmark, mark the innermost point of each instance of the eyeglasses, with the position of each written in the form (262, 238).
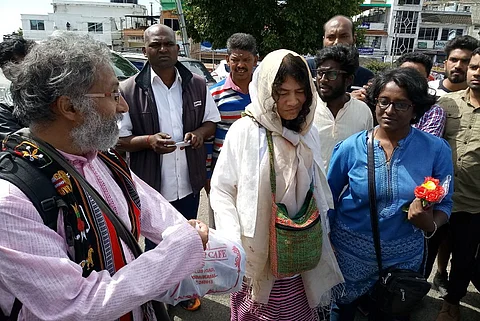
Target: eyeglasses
(115, 94)
(331, 74)
(384, 103)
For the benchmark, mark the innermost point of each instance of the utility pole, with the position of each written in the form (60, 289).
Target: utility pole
(183, 28)
(151, 13)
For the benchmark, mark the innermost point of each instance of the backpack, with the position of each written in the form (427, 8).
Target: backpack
(41, 192)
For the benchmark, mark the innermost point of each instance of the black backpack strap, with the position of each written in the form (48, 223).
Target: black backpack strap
(34, 184)
(41, 192)
(17, 306)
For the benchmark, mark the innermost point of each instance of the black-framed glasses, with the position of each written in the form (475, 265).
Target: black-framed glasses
(115, 94)
(330, 74)
(384, 103)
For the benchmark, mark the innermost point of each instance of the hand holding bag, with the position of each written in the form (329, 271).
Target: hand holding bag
(222, 272)
(397, 291)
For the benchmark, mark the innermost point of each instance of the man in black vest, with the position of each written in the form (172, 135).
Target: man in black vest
(168, 106)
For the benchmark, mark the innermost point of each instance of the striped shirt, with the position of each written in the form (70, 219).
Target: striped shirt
(231, 103)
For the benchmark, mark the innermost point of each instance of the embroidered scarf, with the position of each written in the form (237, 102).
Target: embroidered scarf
(88, 230)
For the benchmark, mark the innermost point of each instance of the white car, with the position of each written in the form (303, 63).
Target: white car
(195, 66)
(221, 72)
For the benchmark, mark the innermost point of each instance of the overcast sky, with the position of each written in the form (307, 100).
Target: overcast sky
(10, 11)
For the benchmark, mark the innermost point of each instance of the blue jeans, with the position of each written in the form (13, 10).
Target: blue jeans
(187, 206)
(346, 312)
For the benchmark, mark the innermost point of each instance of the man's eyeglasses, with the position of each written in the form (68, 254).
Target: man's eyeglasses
(330, 74)
(115, 94)
(384, 103)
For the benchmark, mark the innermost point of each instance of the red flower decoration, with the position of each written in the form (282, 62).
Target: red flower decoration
(430, 191)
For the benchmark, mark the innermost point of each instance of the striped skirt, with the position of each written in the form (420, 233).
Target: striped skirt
(287, 302)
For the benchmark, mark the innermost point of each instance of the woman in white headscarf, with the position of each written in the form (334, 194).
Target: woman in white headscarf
(283, 107)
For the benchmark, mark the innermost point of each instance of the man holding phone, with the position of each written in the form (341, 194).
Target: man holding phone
(171, 114)
(168, 104)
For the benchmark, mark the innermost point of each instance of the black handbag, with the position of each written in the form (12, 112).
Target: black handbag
(397, 291)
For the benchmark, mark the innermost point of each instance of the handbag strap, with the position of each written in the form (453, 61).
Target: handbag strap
(373, 198)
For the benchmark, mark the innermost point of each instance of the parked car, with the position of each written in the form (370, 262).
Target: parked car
(222, 71)
(122, 67)
(195, 66)
(312, 66)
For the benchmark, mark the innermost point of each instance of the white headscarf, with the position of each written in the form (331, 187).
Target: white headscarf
(296, 156)
(293, 159)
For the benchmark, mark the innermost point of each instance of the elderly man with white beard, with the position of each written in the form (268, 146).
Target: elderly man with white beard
(88, 267)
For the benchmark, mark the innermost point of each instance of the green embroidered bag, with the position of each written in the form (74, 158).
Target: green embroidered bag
(295, 243)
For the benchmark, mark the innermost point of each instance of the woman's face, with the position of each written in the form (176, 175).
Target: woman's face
(291, 96)
(396, 116)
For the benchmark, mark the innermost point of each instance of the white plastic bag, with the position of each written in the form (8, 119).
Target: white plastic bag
(222, 272)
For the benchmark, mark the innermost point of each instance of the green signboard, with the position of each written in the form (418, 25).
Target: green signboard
(168, 4)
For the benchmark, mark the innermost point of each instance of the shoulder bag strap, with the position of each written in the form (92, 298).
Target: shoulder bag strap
(373, 198)
(273, 179)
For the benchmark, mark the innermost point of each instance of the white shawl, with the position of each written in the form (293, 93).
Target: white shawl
(241, 197)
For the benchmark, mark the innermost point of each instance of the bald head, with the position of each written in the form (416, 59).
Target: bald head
(157, 29)
(339, 30)
(161, 48)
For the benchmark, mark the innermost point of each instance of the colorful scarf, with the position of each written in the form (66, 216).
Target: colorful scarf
(88, 230)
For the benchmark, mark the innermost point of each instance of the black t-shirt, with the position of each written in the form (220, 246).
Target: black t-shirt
(362, 76)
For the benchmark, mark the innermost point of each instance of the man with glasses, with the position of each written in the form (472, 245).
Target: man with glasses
(81, 266)
(338, 114)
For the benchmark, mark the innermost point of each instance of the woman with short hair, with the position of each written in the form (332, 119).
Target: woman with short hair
(270, 163)
(404, 157)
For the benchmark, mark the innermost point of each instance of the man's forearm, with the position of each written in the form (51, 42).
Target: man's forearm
(207, 130)
(133, 143)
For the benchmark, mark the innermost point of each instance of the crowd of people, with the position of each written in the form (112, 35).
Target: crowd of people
(283, 157)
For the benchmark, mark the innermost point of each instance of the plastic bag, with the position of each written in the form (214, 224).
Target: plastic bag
(222, 272)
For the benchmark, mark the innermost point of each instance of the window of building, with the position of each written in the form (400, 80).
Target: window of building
(172, 23)
(373, 42)
(95, 27)
(448, 34)
(406, 22)
(403, 45)
(37, 25)
(428, 34)
(404, 2)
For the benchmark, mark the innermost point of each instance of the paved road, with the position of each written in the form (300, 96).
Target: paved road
(216, 308)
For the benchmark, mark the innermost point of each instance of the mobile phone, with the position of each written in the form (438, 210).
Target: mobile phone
(352, 88)
(180, 144)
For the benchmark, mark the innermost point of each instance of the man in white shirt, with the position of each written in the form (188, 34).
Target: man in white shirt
(458, 50)
(168, 105)
(338, 115)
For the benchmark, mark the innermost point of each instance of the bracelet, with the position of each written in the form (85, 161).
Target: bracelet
(433, 233)
(148, 138)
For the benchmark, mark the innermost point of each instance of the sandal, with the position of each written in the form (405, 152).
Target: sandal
(191, 305)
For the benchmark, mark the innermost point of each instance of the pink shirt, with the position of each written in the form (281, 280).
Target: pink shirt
(35, 268)
(230, 84)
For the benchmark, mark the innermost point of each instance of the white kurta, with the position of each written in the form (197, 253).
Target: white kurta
(241, 200)
(352, 118)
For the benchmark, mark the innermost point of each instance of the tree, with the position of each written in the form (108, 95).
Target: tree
(290, 24)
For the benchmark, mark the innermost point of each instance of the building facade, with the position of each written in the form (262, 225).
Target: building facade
(102, 20)
(394, 27)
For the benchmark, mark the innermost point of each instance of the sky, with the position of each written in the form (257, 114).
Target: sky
(10, 11)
